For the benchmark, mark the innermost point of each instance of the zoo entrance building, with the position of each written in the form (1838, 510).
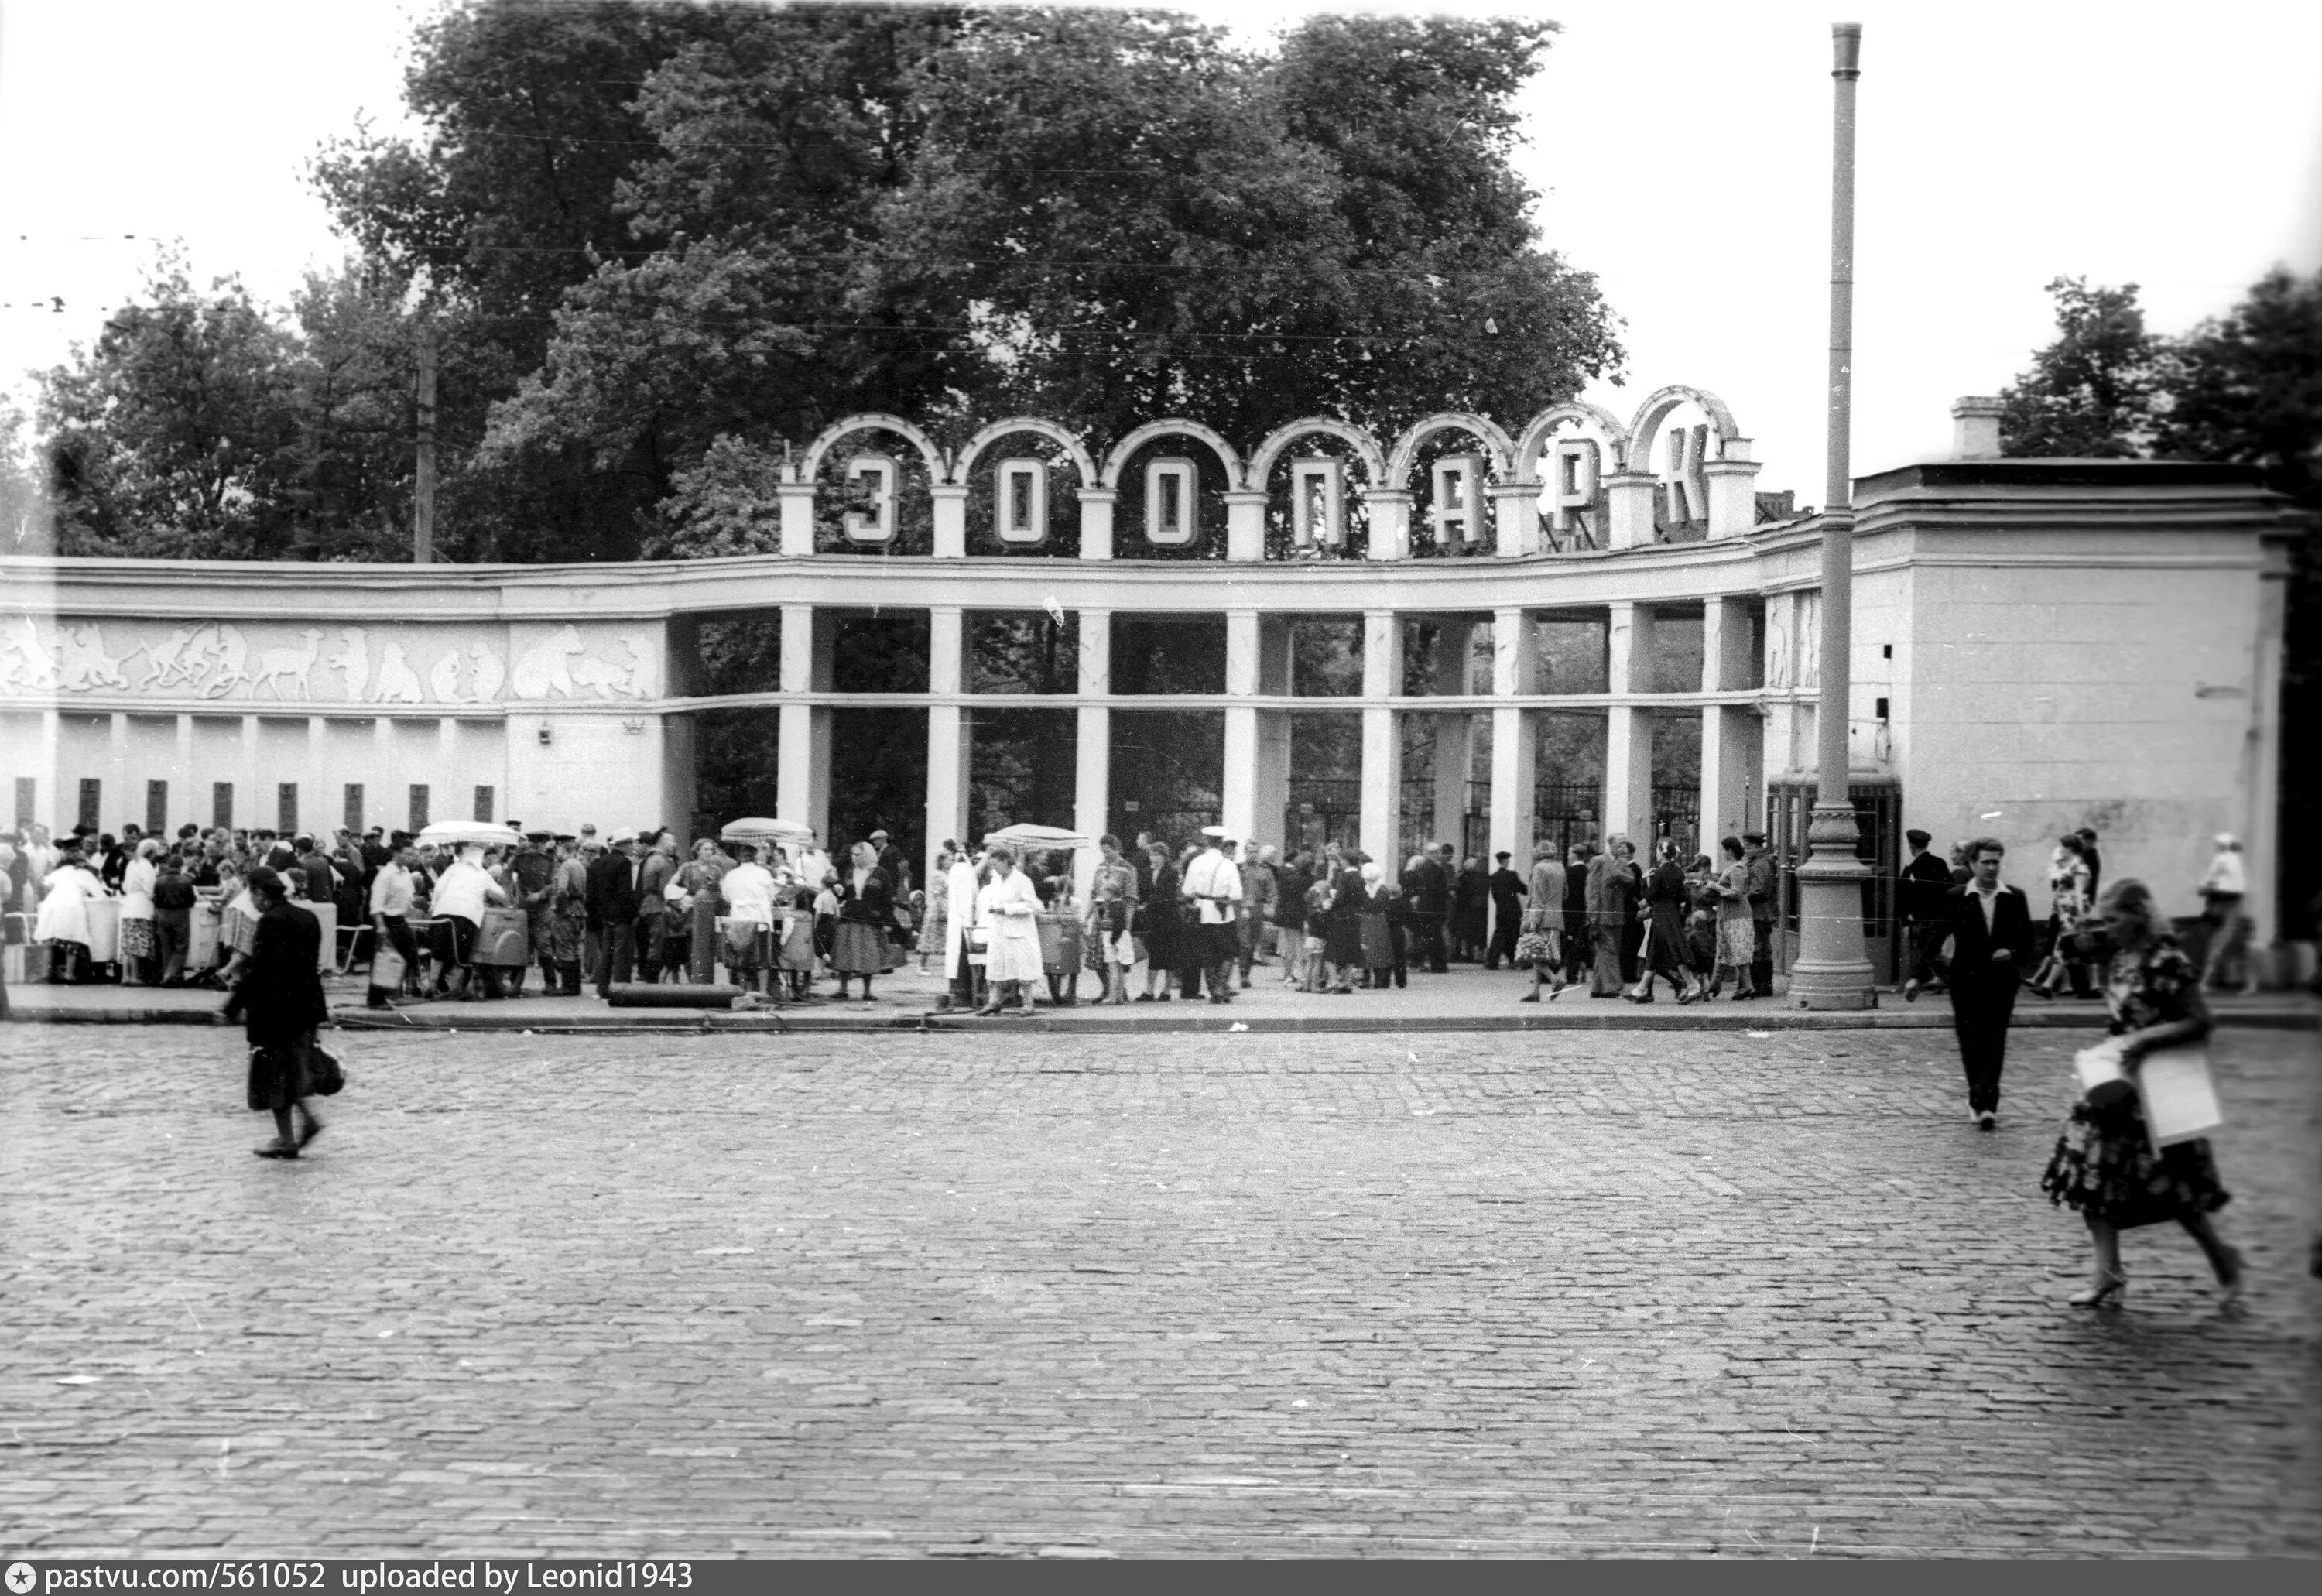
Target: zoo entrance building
(1470, 633)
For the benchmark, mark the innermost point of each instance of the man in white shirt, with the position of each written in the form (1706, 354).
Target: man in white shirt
(458, 902)
(748, 888)
(1213, 885)
(2222, 892)
(391, 892)
(960, 888)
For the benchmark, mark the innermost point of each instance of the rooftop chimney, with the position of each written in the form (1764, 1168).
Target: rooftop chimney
(1976, 428)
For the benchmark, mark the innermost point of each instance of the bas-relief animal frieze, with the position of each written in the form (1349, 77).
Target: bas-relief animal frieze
(225, 661)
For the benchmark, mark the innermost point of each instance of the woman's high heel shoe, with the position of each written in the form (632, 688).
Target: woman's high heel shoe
(2106, 1292)
(2230, 1291)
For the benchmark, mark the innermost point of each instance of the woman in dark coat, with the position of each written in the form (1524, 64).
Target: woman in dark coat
(1667, 901)
(279, 1001)
(1158, 923)
(861, 944)
(1342, 929)
(1471, 898)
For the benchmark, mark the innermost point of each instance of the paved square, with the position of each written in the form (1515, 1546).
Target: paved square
(1002, 1294)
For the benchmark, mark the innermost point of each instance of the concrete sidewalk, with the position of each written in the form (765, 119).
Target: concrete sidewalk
(1468, 999)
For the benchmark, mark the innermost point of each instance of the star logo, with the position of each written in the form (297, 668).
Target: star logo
(21, 1578)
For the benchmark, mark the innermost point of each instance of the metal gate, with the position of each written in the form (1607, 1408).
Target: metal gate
(1879, 843)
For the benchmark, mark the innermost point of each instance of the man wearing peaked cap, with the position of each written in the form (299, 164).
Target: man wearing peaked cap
(612, 912)
(1214, 885)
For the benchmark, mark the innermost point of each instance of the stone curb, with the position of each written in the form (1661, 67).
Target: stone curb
(2274, 1017)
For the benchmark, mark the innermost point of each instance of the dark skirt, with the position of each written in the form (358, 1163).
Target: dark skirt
(1342, 939)
(861, 948)
(1162, 932)
(2105, 1165)
(279, 1077)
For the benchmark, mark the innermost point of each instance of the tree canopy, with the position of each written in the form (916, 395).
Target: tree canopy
(657, 242)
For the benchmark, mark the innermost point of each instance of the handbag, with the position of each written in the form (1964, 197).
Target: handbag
(325, 1074)
(2102, 1079)
(2180, 1098)
(387, 970)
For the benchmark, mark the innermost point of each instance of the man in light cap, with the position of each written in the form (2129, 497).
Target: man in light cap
(1214, 886)
(2221, 891)
(533, 868)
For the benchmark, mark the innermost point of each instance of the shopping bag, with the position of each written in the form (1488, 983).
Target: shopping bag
(2181, 1098)
(387, 970)
(2102, 1079)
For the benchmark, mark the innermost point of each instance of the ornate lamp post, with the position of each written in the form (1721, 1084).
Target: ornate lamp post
(1832, 968)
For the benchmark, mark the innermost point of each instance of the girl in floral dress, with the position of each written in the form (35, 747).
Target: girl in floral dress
(2105, 1165)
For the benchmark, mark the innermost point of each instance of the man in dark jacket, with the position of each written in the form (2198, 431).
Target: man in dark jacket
(279, 1001)
(534, 870)
(1991, 947)
(1507, 912)
(612, 903)
(1761, 883)
(1429, 889)
(321, 882)
(1926, 890)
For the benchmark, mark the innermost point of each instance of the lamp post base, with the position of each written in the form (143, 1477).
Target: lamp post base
(1832, 971)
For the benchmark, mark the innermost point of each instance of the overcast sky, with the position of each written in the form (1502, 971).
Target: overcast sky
(1681, 152)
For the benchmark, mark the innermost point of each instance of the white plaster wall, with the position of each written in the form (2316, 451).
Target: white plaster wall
(2046, 698)
(593, 768)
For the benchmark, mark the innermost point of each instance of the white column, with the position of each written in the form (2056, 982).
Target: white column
(2263, 827)
(1629, 509)
(116, 796)
(1096, 521)
(1381, 734)
(1515, 519)
(1390, 525)
(187, 800)
(1092, 751)
(250, 807)
(1629, 728)
(796, 758)
(448, 796)
(1515, 672)
(1240, 769)
(951, 520)
(381, 796)
(949, 744)
(1453, 734)
(1732, 735)
(1733, 490)
(1245, 528)
(797, 500)
(318, 804)
(1270, 786)
(49, 796)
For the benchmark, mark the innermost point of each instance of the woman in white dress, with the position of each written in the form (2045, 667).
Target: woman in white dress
(62, 923)
(1011, 906)
(962, 957)
(137, 942)
(748, 889)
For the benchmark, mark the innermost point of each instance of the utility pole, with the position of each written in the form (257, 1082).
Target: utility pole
(423, 480)
(1834, 968)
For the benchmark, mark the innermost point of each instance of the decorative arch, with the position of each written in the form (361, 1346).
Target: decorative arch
(1082, 460)
(1544, 426)
(1646, 428)
(822, 446)
(1366, 447)
(1118, 460)
(1406, 449)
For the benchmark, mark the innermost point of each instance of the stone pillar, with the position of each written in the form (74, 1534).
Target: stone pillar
(1454, 734)
(448, 796)
(1096, 521)
(1629, 727)
(116, 796)
(49, 793)
(1390, 530)
(1629, 508)
(1515, 519)
(1732, 735)
(1093, 754)
(1732, 493)
(1515, 672)
(185, 799)
(951, 520)
(2270, 960)
(318, 804)
(1241, 780)
(1381, 734)
(802, 767)
(381, 794)
(950, 736)
(251, 808)
(1270, 786)
(1245, 525)
(796, 500)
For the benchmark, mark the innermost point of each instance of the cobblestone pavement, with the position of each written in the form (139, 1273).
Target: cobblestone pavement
(1620, 1293)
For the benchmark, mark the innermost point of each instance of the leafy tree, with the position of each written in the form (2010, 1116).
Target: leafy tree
(2092, 392)
(24, 526)
(173, 435)
(2247, 387)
